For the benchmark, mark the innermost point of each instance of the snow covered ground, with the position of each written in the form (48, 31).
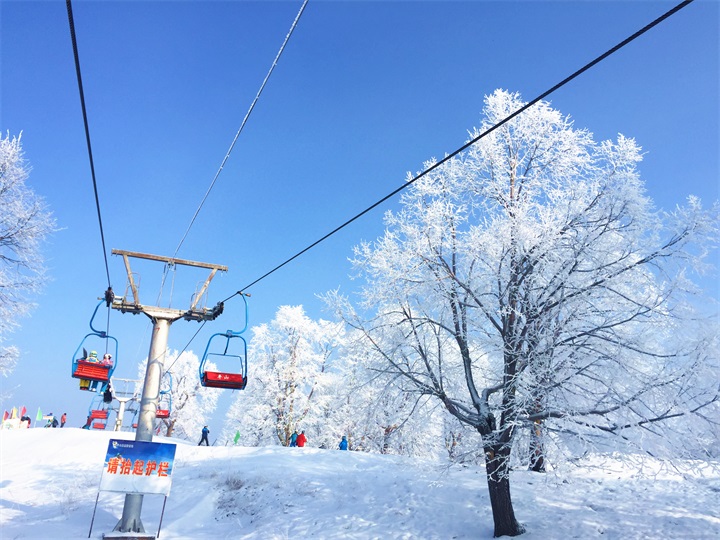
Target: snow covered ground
(49, 480)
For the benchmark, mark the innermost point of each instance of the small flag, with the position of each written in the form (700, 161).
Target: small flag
(39, 415)
(6, 415)
(237, 436)
(13, 413)
(23, 411)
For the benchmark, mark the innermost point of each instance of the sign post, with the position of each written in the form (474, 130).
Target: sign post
(137, 467)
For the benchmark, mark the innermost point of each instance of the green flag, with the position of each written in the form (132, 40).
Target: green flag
(237, 436)
(39, 415)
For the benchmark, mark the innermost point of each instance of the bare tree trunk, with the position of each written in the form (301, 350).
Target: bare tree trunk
(537, 448)
(387, 432)
(170, 428)
(497, 461)
(452, 440)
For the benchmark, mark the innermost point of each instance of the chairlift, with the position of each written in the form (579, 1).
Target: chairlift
(226, 357)
(164, 406)
(94, 373)
(98, 409)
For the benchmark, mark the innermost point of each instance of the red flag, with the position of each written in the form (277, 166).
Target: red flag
(23, 411)
(5, 415)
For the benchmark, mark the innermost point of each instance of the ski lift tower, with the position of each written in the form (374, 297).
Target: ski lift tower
(123, 390)
(162, 318)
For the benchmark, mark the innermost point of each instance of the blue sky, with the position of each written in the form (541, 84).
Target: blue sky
(364, 93)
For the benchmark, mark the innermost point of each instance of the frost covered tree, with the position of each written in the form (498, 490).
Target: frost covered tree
(375, 411)
(189, 402)
(24, 223)
(529, 284)
(288, 384)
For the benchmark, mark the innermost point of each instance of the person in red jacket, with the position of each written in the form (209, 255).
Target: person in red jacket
(301, 440)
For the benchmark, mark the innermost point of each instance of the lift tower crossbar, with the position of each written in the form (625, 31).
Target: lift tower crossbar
(193, 313)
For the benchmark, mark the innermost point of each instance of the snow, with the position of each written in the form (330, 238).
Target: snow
(50, 477)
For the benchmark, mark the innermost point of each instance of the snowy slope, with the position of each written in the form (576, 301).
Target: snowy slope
(49, 480)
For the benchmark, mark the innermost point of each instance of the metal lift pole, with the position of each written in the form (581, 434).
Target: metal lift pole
(130, 521)
(123, 396)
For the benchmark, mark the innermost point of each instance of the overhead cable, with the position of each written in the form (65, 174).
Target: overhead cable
(186, 347)
(227, 155)
(87, 134)
(247, 115)
(476, 139)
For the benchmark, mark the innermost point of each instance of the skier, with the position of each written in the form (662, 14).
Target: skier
(293, 439)
(63, 419)
(205, 432)
(343, 444)
(301, 440)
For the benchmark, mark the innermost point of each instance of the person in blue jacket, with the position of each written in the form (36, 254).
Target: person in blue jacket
(205, 432)
(293, 439)
(343, 444)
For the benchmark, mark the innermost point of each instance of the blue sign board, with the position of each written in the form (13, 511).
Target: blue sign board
(138, 467)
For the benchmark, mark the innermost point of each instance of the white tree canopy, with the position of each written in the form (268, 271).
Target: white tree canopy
(190, 404)
(24, 224)
(291, 381)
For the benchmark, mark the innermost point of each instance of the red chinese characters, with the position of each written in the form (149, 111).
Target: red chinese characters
(119, 465)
